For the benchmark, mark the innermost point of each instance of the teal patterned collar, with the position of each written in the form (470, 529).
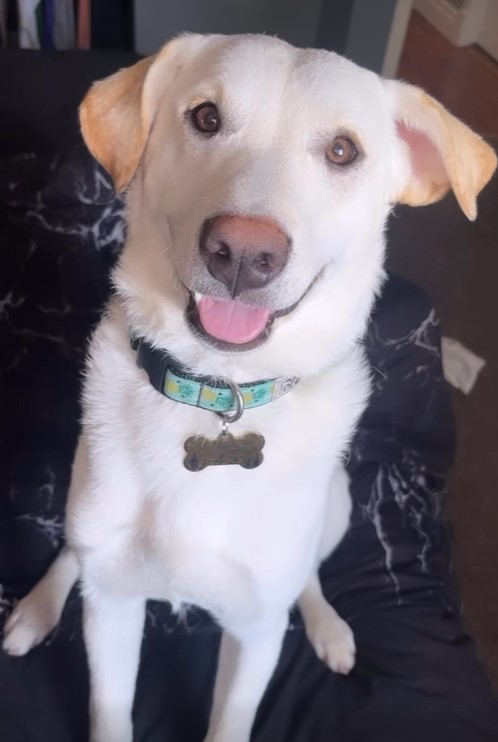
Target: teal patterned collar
(177, 382)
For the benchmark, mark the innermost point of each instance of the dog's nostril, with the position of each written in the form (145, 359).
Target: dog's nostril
(223, 250)
(265, 260)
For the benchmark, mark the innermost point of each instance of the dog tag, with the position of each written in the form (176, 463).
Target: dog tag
(246, 451)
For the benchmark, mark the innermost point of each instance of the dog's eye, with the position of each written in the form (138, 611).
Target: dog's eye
(341, 152)
(206, 118)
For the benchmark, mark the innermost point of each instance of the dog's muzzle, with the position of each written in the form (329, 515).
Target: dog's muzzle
(243, 254)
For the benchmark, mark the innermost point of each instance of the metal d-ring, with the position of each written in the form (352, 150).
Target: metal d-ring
(232, 417)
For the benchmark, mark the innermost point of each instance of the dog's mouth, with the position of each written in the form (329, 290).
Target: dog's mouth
(231, 325)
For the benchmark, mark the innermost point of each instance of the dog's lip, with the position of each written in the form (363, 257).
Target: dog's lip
(193, 320)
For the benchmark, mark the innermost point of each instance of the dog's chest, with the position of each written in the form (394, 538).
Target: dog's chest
(226, 538)
(230, 540)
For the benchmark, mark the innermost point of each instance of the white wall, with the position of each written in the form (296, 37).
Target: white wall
(397, 37)
(157, 20)
(459, 21)
(488, 35)
(359, 29)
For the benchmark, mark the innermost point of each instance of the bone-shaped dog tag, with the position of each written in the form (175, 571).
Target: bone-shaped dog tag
(246, 451)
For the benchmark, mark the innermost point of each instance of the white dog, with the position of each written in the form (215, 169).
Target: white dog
(259, 178)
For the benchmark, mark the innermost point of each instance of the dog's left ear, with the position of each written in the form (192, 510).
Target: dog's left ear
(442, 152)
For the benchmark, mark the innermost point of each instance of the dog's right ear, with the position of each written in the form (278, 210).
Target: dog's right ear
(113, 121)
(116, 113)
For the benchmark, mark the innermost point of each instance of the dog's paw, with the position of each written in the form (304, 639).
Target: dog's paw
(332, 640)
(27, 626)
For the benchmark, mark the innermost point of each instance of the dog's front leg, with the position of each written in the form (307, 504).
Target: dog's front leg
(113, 634)
(246, 663)
(330, 635)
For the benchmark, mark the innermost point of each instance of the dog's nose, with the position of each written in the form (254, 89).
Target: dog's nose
(243, 252)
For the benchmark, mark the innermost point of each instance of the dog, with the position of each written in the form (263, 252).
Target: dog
(225, 381)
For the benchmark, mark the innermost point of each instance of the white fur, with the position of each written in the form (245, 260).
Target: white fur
(244, 545)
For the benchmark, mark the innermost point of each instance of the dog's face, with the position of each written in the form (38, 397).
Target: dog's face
(261, 177)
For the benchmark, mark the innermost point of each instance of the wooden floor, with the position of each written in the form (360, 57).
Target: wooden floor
(465, 79)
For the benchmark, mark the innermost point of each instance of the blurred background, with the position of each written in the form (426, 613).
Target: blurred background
(450, 48)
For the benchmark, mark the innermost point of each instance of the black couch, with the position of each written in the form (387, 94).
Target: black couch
(417, 678)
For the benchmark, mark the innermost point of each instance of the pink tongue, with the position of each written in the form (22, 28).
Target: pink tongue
(230, 320)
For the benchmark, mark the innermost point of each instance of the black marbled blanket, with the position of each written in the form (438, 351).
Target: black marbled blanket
(61, 228)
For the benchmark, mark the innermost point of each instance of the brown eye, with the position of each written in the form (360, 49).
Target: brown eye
(206, 118)
(341, 152)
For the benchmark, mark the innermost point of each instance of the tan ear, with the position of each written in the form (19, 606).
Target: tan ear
(443, 152)
(112, 123)
(116, 113)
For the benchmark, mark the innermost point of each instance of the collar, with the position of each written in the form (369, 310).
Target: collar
(177, 382)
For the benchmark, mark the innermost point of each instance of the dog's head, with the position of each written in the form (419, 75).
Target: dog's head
(259, 178)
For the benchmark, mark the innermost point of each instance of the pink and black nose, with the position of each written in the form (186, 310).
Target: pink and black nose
(243, 252)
